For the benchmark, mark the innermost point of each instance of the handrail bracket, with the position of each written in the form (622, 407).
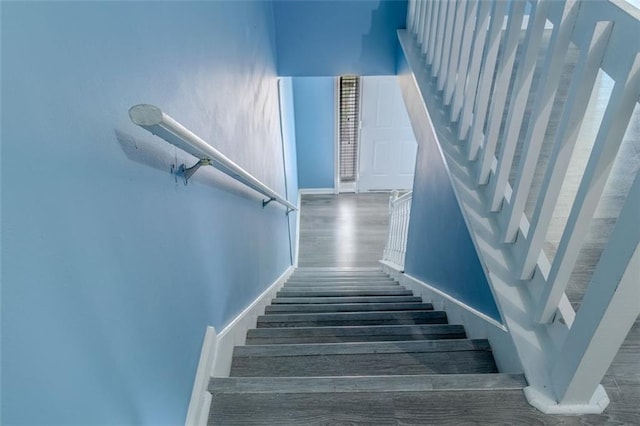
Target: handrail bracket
(265, 202)
(187, 172)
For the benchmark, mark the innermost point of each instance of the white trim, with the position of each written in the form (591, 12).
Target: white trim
(234, 334)
(444, 295)
(392, 265)
(599, 401)
(316, 191)
(477, 325)
(460, 303)
(336, 136)
(217, 350)
(200, 398)
(297, 252)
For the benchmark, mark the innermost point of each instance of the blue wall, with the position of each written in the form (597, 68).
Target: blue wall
(440, 250)
(288, 123)
(331, 38)
(111, 268)
(314, 100)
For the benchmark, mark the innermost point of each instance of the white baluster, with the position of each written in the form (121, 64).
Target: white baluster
(532, 144)
(411, 13)
(575, 107)
(443, 73)
(480, 36)
(427, 27)
(609, 309)
(442, 23)
(465, 54)
(614, 124)
(532, 43)
(486, 77)
(419, 25)
(499, 96)
(433, 27)
(456, 43)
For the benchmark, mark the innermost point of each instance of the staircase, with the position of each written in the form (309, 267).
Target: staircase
(353, 346)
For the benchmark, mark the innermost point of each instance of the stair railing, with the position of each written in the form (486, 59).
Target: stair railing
(399, 213)
(457, 52)
(156, 121)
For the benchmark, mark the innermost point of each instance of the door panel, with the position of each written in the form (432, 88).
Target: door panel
(387, 144)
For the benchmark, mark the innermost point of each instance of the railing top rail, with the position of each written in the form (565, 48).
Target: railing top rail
(628, 7)
(153, 119)
(402, 198)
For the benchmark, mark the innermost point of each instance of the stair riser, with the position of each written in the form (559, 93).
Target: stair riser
(352, 307)
(343, 300)
(349, 293)
(373, 408)
(352, 319)
(343, 284)
(344, 288)
(343, 339)
(464, 362)
(373, 322)
(341, 278)
(301, 273)
(374, 383)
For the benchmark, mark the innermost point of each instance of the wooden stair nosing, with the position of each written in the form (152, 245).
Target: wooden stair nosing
(351, 316)
(336, 271)
(347, 299)
(312, 278)
(343, 288)
(346, 307)
(398, 363)
(344, 284)
(350, 348)
(380, 330)
(353, 384)
(346, 293)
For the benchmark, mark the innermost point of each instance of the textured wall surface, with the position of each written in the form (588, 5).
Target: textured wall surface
(440, 250)
(315, 109)
(112, 269)
(333, 37)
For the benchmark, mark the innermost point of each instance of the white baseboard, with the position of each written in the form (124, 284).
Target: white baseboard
(200, 398)
(217, 350)
(316, 191)
(297, 252)
(477, 325)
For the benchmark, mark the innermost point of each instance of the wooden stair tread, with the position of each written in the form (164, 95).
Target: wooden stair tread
(352, 318)
(354, 333)
(341, 345)
(350, 384)
(376, 408)
(334, 284)
(362, 347)
(347, 307)
(346, 299)
(343, 288)
(345, 293)
(364, 364)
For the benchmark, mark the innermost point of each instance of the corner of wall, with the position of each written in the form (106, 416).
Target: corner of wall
(476, 324)
(217, 350)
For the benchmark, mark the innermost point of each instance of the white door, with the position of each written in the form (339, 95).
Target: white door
(387, 144)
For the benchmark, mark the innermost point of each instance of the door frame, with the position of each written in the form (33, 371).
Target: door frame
(339, 187)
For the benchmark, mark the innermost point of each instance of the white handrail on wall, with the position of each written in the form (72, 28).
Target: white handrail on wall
(399, 213)
(459, 48)
(153, 119)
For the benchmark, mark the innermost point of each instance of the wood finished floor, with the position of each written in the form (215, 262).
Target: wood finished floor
(345, 230)
(349, 230)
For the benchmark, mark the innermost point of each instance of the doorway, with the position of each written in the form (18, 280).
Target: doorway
(375, 145)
